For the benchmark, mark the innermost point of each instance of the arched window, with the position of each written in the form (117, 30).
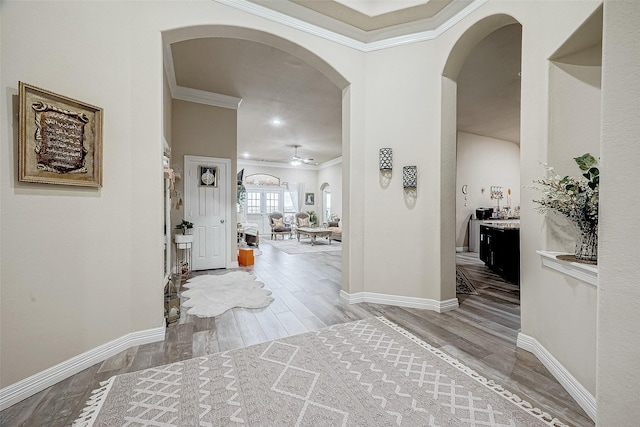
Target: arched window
(262, 179)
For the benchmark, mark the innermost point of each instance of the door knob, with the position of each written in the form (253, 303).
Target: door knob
(222, 221)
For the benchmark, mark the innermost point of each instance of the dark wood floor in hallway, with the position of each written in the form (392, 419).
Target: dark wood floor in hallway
(481, 334)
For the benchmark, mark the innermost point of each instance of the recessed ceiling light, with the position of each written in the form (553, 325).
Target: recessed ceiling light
(276, 122)
(245, 155)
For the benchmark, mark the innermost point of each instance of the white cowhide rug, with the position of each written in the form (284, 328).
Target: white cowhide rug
(211, 295)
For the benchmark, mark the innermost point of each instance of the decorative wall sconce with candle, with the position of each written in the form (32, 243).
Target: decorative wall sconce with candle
(386, 166)
(386, 159)
(410, 177)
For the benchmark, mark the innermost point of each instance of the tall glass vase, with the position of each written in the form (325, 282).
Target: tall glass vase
(587, 244)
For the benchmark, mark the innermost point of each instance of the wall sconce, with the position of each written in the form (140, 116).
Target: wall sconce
(386, 159)
(410, 177)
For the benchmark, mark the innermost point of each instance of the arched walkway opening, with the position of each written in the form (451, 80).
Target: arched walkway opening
(471, 110)
(199, 33)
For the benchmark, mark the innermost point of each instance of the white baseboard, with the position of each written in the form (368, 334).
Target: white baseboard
(586, 400)
(462, 248)
(16, 392)
(401, 301)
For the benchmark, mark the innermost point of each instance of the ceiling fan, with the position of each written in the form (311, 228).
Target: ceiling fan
(297, 160)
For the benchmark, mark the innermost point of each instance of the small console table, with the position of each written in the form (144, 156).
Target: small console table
(183, 253)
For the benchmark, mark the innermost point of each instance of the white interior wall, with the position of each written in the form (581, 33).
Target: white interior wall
(166, 109)
(574, 126)
(208, 131)
(618, 375)
(483, 162)
(555, 310)
(81, 267)
(401, 231)
(394, 100)
(107, 280)
(332, 175)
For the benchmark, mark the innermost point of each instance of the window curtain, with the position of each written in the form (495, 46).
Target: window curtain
(296, 192)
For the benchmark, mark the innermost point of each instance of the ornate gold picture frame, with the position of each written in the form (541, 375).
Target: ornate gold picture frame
(60, 139)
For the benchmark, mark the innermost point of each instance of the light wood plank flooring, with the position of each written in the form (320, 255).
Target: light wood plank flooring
(481, 333)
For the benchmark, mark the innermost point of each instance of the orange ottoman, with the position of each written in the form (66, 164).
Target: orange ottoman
(245, 256)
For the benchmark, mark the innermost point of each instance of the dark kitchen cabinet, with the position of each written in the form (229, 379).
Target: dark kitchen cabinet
(500, 250)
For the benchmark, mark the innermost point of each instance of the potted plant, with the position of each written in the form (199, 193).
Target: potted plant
(578, 200)
(184, 226)
(313, 218)
(184, 237)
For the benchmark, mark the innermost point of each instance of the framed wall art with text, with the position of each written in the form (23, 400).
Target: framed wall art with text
(60, 139)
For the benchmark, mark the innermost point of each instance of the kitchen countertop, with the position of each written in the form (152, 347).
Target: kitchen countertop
(511, 224)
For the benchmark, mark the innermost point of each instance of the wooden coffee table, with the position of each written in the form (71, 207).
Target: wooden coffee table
(313, 233)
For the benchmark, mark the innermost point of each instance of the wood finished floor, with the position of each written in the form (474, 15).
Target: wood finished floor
(481, 334)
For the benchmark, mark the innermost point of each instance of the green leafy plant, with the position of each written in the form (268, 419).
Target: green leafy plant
(574, 198)
(313, 218)
(184, 226)
(241, 193)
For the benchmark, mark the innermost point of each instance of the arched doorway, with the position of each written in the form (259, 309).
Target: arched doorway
(200, 33)
(449, 137)
(326, 202)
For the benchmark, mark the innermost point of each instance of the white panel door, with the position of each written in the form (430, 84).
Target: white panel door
(206, 206)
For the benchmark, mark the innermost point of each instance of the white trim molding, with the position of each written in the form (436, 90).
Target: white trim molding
(23, 389)
(279, 165)
(203, 97)
(400, 301)
(352, 42)
(329, 163)
(586, 400)
(269, 164)
(194, 95)
(586, 273)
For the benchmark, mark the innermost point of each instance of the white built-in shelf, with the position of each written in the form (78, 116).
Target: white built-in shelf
(587, 273)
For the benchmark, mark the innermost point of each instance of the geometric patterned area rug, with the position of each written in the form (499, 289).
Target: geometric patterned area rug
(293, 247)
(463, 284)
(212, 295)
(369, 372)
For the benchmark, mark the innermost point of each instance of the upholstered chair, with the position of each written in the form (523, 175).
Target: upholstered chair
(302, 220)
(278, 227)
(336, 231)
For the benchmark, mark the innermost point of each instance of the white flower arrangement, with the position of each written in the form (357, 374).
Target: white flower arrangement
(574, 198)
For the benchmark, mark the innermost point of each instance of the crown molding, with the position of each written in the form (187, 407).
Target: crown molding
(282, 165)
(194, 95)
(204, 97)
(328, 164)
(351, 42)
(226, 101)
(281, 18)
(278, 165)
